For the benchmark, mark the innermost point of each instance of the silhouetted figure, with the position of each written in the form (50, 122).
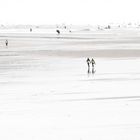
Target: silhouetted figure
(58, 32)
(88, 63)
(109, 27)
(6, 43)
(31, 29)
(92, 63)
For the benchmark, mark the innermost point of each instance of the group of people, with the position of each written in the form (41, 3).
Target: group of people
(92, 63)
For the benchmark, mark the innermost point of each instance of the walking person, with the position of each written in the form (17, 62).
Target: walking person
(88, 63)
(93, 63)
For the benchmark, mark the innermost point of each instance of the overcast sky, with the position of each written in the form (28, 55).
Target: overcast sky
(68, 11)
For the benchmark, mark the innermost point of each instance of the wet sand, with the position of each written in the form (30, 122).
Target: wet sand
(46, 92)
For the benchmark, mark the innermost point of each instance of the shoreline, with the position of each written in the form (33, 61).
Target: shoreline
(111, 53)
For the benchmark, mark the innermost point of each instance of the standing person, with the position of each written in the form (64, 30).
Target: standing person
(6, 42)
(88, 63)
(93, 63)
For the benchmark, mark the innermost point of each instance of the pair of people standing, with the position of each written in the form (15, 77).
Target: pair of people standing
(92, 62)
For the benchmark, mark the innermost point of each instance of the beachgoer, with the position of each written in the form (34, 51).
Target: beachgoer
(92, 62)
(58, 32)
(88, 62)
(6, 42)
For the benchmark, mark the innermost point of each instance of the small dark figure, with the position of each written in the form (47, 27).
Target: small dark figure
(88, 63)
(6, 42)
(93, 63)
(31, 30)
(58, 32)
(108, 27)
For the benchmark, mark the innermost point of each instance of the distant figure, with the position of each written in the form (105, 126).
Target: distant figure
(109, 27)
(92, 63)
(6, 42)
(88, 63)
(31, 29)
(58, 32)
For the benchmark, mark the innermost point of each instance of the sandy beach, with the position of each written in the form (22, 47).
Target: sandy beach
(47, 94)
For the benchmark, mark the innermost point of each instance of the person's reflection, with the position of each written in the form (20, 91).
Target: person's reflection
(93, 71)
(88, 70)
